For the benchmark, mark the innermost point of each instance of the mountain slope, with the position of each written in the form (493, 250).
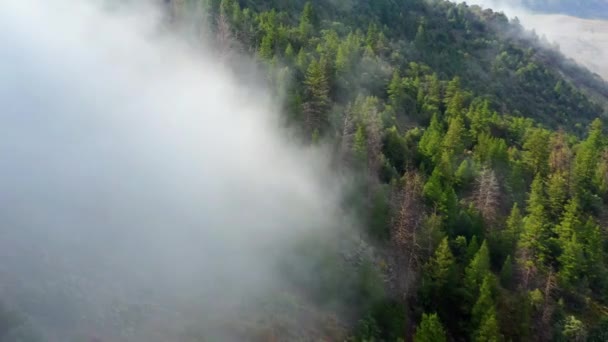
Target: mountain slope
(474, 165)
(481, 172)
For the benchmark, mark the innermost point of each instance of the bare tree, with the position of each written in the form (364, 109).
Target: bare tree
(373, 127)
(561, 156)
(543, 324)
(526, 268)
(486, 197)
(346, 136)
(224, 37)
(405, 231)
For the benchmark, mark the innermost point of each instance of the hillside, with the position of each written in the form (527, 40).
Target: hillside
(577, 36)
(584, 40)
(482, 176)
(471, 158)
(491, 57)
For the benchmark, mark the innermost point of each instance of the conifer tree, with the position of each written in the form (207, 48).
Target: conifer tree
(430, 329)
(441, 265)
(484, 314)
(317, 100)
(506, 272)
(534, 234)
(514, 226)
(431, 141)
(557, 194)
(536, 151)
(477, 269)
(488, 330)
(453, 142)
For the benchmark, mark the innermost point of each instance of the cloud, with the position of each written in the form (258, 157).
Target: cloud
(584, 40)
(139, 173)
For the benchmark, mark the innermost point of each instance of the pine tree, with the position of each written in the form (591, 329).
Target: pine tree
(421, 37)
(453, 142)
(506, 272)
(452, 89)
(485, 301)
(317, 100)
(266, 51)
(570, 221)
(534, 234)
(307, 21)
(536, 151)
(465, 173)
(289, 52)
(441, 265)
(360, 147)
(586, 162)
(514, 226)
(431, 141)
(477, 269)
(472, 249)
(430, 329)
(483, 314)
(396, 93)
(433, 190)
(488, 330)
(571, 261)
(557, 193)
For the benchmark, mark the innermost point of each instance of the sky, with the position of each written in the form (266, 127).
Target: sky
(139, 175)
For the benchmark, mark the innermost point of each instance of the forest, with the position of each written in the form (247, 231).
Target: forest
(480, 165)
(481, 158)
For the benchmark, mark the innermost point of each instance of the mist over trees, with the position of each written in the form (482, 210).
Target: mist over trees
(473, 169)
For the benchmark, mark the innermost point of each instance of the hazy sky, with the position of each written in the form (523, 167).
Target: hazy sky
(584, 40)
(138, 173)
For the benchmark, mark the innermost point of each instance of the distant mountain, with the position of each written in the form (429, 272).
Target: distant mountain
(580, 8)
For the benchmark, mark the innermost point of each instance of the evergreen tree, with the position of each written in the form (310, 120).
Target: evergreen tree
(477, 269)
(453, 142)
(514, 226)
(441, 265)
(485, 301)
(506, 272)
(571, 261)
(360, 146)
(557, 193)
(317, 100)
(536, 151)
(431, 141)
(430, 329)
(586, 162)
(307, 21)
(534, 234)
(488, 330)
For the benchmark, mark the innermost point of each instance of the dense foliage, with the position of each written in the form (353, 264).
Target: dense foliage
(483, 166)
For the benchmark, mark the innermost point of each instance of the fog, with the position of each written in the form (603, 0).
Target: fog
(584, 40)
(139, 176)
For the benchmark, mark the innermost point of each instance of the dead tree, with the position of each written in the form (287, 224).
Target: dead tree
(346, 137)
(373, 130)
(486, 197)
(405, 233)
(224, 37)
(543, 326)
(561, 156)
(526, 269)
